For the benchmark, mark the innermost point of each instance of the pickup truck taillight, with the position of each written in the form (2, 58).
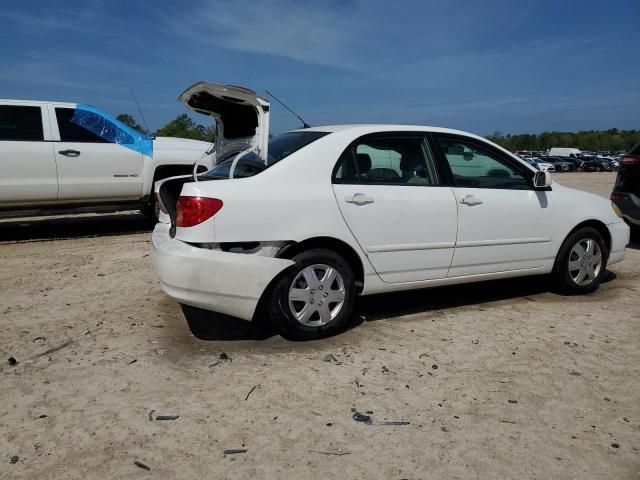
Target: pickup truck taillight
(192, 211)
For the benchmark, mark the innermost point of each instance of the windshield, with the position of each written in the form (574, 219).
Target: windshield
(251, 164)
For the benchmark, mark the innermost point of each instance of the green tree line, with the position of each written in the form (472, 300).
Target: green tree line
(597, 140)
(182, 126)
(610, 140)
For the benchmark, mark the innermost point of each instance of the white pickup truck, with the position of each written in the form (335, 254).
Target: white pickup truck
(55, 156)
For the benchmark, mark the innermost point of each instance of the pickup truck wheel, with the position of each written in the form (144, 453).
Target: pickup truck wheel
(315, 297)
(581, 262)
(151, 209)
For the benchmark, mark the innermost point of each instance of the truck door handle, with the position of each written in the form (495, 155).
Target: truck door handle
(69, 153)
(471, 200)
(359, 199)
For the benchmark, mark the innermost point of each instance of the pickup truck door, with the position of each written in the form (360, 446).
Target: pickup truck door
(27, 164)
(89, 167)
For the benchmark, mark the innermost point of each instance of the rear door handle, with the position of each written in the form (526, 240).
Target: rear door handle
(359, 199)
(69, 153)
(471, 200)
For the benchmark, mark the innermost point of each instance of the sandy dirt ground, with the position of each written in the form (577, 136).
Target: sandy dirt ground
(496, 380)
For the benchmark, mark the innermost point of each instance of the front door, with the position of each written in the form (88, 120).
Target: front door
(503, 223)
(391, 195)
(90, 167)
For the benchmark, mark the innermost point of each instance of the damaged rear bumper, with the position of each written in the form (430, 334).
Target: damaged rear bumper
(229, 283)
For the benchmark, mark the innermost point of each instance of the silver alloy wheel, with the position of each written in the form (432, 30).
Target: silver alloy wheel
(316, 295)
(585, 262)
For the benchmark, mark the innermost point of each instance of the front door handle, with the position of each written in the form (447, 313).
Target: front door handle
(471, 200)
(359, 199)
(69, 153)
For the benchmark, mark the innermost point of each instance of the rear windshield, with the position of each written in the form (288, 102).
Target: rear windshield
(635, 150)
(250, 164)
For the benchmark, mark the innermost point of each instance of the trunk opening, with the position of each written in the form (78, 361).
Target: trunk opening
(240, 121)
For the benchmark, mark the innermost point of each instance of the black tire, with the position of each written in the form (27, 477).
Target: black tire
(151, 209)
(561, 271)
(278, 307)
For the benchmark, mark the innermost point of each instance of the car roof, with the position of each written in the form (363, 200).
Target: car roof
(364, 129)
(372, 127)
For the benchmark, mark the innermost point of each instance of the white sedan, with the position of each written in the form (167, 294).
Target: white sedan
(318, 216)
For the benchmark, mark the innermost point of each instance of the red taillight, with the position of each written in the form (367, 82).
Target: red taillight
(618, 197)
(160, 204)
(195, 210)
(629, 161)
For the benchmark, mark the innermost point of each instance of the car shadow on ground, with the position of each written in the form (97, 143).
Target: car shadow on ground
(212, 326)
(68, 227)
(396, 304)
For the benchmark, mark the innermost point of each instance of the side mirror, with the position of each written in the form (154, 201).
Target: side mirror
(541, 179)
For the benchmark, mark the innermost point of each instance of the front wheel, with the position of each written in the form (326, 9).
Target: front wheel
(581, 261)
(315, 297)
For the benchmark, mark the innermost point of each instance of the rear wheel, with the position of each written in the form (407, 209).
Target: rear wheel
(581, 261)
(315, 297)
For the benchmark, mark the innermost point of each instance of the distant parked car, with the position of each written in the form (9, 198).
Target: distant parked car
(595, 164)
(561, 165)
(613, 163)
(564, 152)
(60, 155)
(322, 215)
(544, 165)
(532, 162)
(626, 192)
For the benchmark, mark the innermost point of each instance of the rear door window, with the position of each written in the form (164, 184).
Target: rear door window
(388, 160)
(21, 123)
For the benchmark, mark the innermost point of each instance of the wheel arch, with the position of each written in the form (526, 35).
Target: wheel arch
(167, 171)
(330, 243)
(173, 170)
(598, 225)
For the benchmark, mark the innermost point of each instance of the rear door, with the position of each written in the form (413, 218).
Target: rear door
(90, 167)
(27, 163)
(503, 223)
(390, 193)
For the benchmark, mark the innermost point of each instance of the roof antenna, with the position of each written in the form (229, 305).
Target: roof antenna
(304, 124)
(141, 115)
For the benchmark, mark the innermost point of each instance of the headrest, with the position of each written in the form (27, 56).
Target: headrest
(364, 163)
(455, 150)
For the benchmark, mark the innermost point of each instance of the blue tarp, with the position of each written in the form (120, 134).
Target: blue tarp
(112, 130)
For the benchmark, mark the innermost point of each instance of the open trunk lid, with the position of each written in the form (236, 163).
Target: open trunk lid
(241, 115)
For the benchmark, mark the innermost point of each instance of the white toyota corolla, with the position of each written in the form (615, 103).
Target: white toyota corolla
(313, 218)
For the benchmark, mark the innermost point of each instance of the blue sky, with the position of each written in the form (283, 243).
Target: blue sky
(517, 66)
